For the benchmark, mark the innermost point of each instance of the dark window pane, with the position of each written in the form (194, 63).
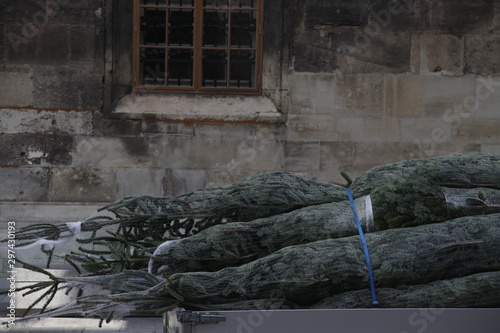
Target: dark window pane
(244, 4)
(214, 68)
(153, 22)
(152, 63)
(242, 70)
(215, 28)
(227, 54)
(243, 28)
(216, 3)
(180, 68)
(181, 23)
(181, 3)
(153, 2)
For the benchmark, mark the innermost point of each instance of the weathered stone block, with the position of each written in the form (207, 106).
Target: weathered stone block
(33, 121)
(84, 13)
(369, 52)
(396, 15)
(301, 100)
(487, 98)
(443, 93)
(481, 54)
(16, 88)
(58, 149)
(371, 154)
(415, 54)
(359, 95)
(441, 53)
(259, 155)
(117, 152)
(66, 89)
(41, 44)
(178, 128)
(82, 43)
(53, 212)
(34, 184)
(368, 129)
(490, 148)
(224, 130)
(113, 126)
(10, 180)
(324, 12)
(82, 185)
(132, 181)
(197, 152)
(478, 131)
(8, 11)
(21, 149)
(403, 95)
(461, 17)
(16, 10)
(336, 157)
(311, 128)
(323, 93)
(495, 24)
(271, 132)
(181, 181)
(300, 156)
(440, 149)
(313, 58)
(426, 130)
(3, 56)
(453, 17)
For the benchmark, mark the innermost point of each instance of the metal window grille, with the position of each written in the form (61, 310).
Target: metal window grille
(202, 46)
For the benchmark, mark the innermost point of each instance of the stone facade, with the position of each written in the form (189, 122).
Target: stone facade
(348, 85)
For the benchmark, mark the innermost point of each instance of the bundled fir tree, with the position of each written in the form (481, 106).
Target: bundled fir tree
(280, 241)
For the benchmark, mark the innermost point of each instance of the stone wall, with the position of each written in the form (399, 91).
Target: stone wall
(354, 84)
(373, 82)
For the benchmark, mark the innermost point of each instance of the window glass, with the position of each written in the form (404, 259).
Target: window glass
(242, 69)
(182, 3)
(215, 28)
(180, 67)
(154, 2)
(153, 26)
(197, 45)
(152, 64)
(180, 27)
(216, 3)
(243, 28)
(244, 4)
(214, 68)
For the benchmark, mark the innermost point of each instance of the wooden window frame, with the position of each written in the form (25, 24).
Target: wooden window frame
(197, 59)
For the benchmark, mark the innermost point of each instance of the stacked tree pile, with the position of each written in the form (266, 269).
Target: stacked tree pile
(280, 241)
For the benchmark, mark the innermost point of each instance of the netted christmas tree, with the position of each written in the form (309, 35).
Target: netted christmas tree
(279, 241)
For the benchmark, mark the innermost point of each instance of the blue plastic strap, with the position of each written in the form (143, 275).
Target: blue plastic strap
(365, 248)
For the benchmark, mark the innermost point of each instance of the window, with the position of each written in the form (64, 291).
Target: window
(201, 46)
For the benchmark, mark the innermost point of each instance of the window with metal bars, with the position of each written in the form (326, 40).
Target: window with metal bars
(202, 46)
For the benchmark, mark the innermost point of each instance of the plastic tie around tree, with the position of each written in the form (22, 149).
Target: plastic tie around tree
(365, 248)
